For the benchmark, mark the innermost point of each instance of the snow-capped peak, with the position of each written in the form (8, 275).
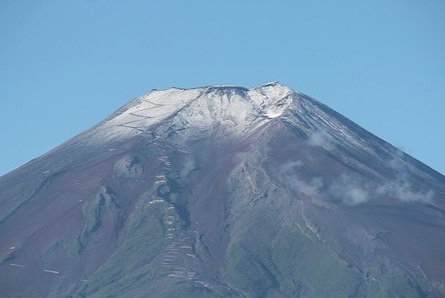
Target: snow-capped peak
(234, 109)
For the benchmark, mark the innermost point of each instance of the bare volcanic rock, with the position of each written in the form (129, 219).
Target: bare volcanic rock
(223, 191)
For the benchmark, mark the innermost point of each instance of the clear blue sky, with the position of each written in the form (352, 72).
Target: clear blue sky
(65, 65)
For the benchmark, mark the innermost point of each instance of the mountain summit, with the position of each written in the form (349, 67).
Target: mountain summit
(223, 191)
(234, 110)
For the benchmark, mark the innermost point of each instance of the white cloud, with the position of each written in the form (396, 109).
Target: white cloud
(403, 191)
(350, 190)
(320, 139)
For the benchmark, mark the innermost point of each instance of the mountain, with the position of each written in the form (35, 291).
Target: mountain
(223, 191)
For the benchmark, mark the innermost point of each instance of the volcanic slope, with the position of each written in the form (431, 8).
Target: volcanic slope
(223, 191)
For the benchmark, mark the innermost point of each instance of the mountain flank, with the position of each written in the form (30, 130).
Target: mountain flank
(223, 191)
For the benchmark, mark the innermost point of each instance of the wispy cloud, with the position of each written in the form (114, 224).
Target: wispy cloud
(403, 191)
(349, 190)
(320, 139)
